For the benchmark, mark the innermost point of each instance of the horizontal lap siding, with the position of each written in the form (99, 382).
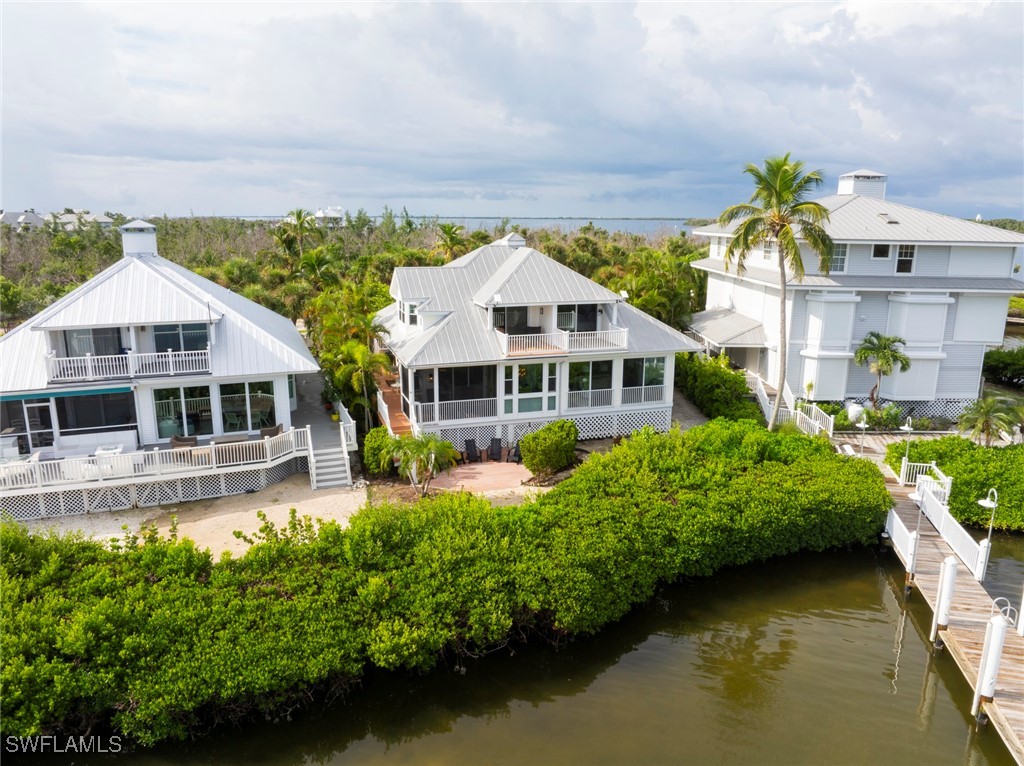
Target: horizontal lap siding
(960, 371)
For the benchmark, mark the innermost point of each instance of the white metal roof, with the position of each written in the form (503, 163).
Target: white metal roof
(728, 329)
(858, 218)
(890, 283)
(460, 290)
(250, 339)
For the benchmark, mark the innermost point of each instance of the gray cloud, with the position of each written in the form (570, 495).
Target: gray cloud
(505, 109)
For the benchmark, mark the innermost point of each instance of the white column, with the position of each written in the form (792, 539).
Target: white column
(670, 376)
(617, 382)
(991, 653)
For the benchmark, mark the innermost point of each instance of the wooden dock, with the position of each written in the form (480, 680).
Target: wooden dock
(968, 619)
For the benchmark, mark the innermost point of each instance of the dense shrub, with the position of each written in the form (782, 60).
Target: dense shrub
(714, 388)
(1005, 367)
(974, 469)
(550, 449)
(377, 451)
(156, 639)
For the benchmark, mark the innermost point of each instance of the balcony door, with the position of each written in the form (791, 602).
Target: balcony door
(97, 341)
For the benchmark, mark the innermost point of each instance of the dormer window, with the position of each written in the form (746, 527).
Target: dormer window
(407, 313)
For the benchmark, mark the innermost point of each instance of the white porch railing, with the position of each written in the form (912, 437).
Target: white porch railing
(787, 396)
(911, 472)
(348, 427)
(382, 410)
(903, 540)
(825, 422)
(974, 555)
(757, 385)
(599, 398)
(36, 475)
(464, 409)
(129, 365)
(562, 341)
(643, 394)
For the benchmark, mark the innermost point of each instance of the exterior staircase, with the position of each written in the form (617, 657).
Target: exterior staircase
(330, 468)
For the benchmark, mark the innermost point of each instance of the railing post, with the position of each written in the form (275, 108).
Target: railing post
(131, 363)
(1020, 617)
(903, 471)
(266, 449)
(170, 362)
(984, 551)
(912, 565)
(88, 366)
(944, 598)
(991, 653)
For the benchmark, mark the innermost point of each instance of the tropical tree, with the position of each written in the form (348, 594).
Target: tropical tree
(357, 368)
(450, 239)
(988, 417)
(882, 355)
(421, 458)
(298, 226)
(318, 268)
(778, 213)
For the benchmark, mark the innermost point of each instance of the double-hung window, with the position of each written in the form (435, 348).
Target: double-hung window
(905, 259)
(768, 249)
(837, 261)
(407, 313)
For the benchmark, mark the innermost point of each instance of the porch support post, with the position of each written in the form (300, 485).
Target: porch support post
(670, 376)
(617, 381)
(437, 396)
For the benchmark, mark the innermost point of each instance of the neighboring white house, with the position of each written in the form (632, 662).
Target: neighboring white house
(144, 352)
(939, 282)
(503, 340)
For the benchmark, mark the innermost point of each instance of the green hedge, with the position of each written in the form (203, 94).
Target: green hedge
(158, 641)
(715, 389)
(377, 451)
(1005, 367)
(974, 469)
(551, 448)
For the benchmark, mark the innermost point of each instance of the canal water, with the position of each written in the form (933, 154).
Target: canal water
(810, 659)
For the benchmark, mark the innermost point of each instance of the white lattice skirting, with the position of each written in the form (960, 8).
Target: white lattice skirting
(70, 502)
(590, 427)
(939, 408)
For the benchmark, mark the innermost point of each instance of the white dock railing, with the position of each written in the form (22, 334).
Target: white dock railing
(903, 540)
(974, 555)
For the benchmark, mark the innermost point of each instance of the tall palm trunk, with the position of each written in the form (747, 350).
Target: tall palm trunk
(783, 343)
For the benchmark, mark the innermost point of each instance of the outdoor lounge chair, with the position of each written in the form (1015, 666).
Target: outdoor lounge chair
(494, 451)
(183, 441)
(472, 454)
(272, 431)
(513, 454)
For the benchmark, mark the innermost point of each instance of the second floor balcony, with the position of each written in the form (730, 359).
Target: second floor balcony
(563, 341)
(128, 365)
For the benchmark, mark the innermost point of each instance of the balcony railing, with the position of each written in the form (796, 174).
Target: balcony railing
(561, 342)
(130, 365)
(643, 394)
(599, 398)
(461, 409)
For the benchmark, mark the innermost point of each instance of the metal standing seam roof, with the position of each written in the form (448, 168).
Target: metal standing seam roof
(858, 218)
(887, 283)
(728, 329)
(457, 288)
(144, 290)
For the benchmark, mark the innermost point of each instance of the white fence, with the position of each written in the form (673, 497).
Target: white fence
(128, 365)
(382, 410)
(34, 475)
(562, 341)
(903, 540)
(933, 494)
(643, 394)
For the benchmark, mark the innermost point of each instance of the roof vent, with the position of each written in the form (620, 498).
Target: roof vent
(867, 183)
(887, 218)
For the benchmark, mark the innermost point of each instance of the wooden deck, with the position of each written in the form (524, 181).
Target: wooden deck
(388, 385)
(969, 616)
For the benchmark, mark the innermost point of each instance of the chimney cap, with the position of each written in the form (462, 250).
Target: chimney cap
(863, 174)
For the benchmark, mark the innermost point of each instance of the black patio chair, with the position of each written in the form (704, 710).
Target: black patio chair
(494, 451)
(472, 454)
(513, 454)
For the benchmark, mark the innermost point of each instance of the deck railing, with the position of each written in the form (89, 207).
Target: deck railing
(561, 341)
(643, 394)
(132, 466)
(910, 471)
(974, 555)
(599, 398)
(129, 365)
(347, 425)
(382, 410)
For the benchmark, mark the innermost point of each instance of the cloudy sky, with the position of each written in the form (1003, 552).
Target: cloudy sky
(542, 109)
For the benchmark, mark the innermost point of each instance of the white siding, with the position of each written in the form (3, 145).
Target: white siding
(860, 262)
(872, 313)
(980, 261)
(916, 384)
(981, 318)
(960, 371)
(931, 261)
(719, 293)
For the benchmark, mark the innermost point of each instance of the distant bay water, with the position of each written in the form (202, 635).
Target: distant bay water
(646, 226)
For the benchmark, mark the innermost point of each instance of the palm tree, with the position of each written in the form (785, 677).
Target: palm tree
(988, 417)
(778, 212)
(318, 268)
(421, 458)
(882, 355)
(449, 239)
(358, 367)
(296, 227)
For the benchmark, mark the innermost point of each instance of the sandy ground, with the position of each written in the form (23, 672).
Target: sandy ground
(211, 523)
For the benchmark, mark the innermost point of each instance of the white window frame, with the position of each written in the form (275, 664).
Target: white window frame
(913, 261)
(407, 313)
(886, 257)
(832, 256)
(768, 250)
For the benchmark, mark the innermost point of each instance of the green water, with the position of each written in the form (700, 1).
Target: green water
(805, 660)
